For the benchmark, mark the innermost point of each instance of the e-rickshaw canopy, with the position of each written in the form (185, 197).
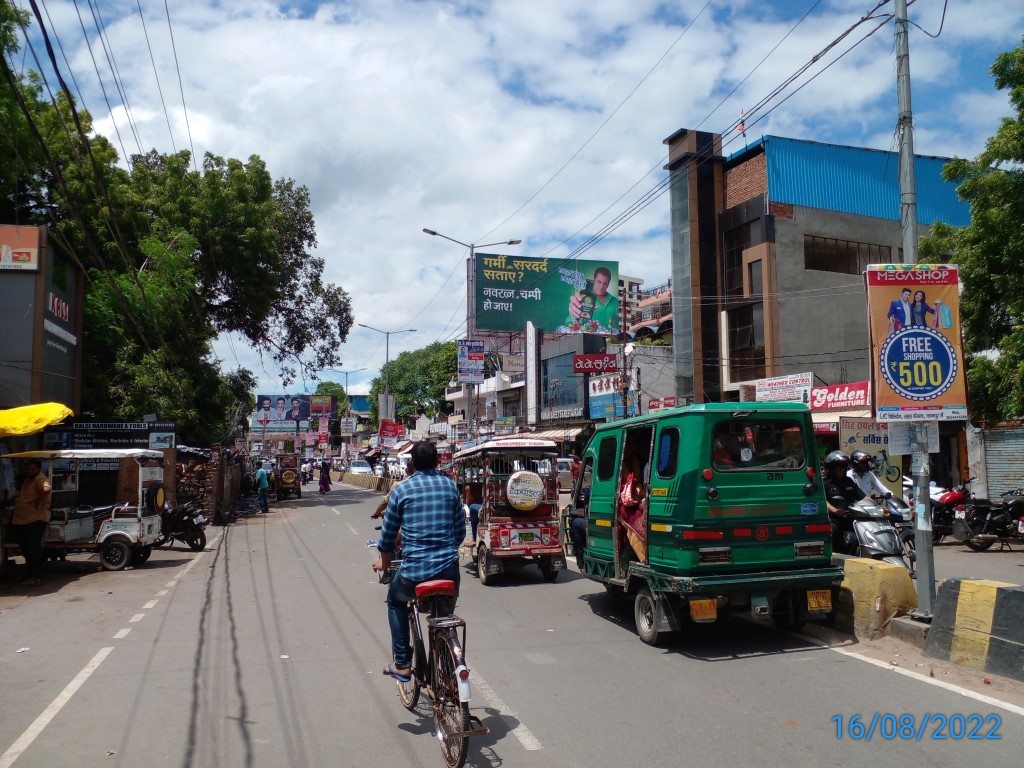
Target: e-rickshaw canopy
(87, 454)
(513, 444)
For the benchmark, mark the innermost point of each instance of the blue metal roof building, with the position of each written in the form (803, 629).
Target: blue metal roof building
(853, 180)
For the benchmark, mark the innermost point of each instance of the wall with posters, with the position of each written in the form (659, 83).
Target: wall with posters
(873, 437)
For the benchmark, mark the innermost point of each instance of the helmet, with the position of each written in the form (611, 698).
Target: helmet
(835, 459)
(860, 457)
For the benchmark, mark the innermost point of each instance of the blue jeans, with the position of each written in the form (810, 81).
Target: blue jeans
(400, 592)
(263, 499)
(474, 518)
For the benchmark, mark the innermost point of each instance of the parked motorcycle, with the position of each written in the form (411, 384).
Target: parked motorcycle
(981, 523)
(875, 535)
(185, 523)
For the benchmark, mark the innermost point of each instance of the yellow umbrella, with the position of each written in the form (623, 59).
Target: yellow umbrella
(30, 419)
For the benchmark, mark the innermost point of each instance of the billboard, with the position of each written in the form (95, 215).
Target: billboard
(795, 387)
(839, 396)
(872, 437)
(559, 296)
(19, 248)
(272, 411)
(917, 364)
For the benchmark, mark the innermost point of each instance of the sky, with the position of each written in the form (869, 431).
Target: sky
(538, 120)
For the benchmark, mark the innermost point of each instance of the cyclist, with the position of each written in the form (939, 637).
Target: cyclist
(868, 482)
(428, 510)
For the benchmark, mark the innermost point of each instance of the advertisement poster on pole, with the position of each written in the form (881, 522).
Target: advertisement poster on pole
(873, 437)
(390, 431)
(558, 295)
(916, 352)
(471, 361)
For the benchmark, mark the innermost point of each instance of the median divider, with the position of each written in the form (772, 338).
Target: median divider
(369, 482)
(871, 595)
(979, 623)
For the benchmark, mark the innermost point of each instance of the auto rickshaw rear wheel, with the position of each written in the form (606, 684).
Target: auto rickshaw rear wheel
(141, 555)
(645, 612)
(481, 565)
(115, 555)
(546, 568)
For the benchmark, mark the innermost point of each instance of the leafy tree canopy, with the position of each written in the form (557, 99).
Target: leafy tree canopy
(990, 252)
(418, 380)
(173, 256)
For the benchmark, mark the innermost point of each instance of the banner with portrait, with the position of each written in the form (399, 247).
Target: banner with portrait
(918, 371)
(557, 295)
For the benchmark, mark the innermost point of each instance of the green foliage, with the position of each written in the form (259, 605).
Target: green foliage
(990, 253)
(331, 388)
(173, 257)
(418, 380)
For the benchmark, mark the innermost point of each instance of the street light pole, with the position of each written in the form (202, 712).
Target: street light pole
(470, 312)
(387, 359)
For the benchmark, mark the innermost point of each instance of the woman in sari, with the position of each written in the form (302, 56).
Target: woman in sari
(325, 476)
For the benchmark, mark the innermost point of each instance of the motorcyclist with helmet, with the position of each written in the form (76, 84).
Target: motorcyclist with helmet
(839, 485)
(868, 482)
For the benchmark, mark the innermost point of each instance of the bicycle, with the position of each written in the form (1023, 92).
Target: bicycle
(885, 468)
(441, 670)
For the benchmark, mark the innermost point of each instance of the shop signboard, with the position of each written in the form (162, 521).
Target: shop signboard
(592, 363)
(558, 295)
(347, 426)
(873, 438)
(506, 425)
(794, 387)
(390, 431)
(668, 402)
(837, 396)
(471, 361)
(918, 371)
(654, 405)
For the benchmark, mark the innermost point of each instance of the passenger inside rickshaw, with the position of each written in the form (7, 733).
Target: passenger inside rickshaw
(632, 500)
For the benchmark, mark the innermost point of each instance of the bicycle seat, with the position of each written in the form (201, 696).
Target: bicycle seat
(435, 588)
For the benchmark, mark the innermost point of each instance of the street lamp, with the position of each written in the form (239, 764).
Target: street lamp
(470, 306)
(387, 359)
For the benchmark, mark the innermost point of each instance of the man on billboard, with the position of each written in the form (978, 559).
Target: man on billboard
(899, 311)
(264, 414)
(297, 412)
(593, 307)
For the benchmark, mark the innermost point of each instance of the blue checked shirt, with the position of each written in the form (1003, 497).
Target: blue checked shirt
(427, 509)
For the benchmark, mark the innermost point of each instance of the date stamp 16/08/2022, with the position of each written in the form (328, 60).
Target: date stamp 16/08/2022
(907, 727)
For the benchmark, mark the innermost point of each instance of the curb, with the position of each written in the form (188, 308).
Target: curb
(979, 623)
(871, 596)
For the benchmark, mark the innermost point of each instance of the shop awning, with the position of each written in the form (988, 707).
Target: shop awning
(558, 435)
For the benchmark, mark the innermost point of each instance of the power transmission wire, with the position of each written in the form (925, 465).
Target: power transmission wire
(115, 73)
(156, 75)
(181, 87)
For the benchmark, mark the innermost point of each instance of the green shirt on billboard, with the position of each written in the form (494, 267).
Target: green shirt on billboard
(605, 315)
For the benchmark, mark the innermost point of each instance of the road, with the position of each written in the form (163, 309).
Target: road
(266, 650)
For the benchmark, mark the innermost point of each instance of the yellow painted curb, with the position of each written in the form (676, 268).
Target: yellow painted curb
(871, 594)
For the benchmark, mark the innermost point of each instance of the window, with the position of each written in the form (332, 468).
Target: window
(754, 277)
(830, 255)
(746, 342)
(757, 444)
(737, 240)
(668, 452)
(606, 458)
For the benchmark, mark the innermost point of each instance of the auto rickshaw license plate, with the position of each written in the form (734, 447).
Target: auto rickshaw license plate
(819, 600)
(525, 536)
(703, 610)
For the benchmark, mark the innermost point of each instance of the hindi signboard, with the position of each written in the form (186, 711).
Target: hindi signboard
(873, 437)
(560, 296)
(591, 363)
(471, 361)
(918, 371)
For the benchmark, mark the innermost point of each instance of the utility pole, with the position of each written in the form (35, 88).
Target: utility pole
(908, 221)
(623, 373)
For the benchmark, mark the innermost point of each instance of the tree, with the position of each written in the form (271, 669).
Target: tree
(418, 380)
(990, 252)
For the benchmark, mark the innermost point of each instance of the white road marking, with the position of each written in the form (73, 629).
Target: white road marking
(918, 676)
(136, 617)
(162, 592)
(123, 633)
(149, 605)
(25, 740)
(521, 732)
(172, 584)
(352, 528)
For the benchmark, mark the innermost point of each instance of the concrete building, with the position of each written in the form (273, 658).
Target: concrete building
(768, 246)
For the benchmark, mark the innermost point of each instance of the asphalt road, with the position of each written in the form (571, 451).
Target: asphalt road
(266, 650)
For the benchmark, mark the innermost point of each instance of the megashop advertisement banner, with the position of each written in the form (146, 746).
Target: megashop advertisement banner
(916, 352)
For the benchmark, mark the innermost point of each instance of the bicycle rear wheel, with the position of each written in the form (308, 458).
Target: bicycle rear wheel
(409, 692)
(452, 714)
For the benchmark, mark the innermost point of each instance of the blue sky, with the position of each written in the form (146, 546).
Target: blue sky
(459, 117)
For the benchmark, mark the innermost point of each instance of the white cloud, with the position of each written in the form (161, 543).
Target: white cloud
(401, 115)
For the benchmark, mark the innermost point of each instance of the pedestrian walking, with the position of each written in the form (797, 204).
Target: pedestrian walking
(263, 487)
(325, 476)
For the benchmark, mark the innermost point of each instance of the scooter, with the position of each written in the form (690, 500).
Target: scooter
(874, 535)
(185, 523)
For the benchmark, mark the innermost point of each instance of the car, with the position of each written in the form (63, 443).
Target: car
(360, 467)
(564, 467)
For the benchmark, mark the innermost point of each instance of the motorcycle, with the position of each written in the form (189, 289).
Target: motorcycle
(306, 473)
(875, 535)
(185, 523)
(981, 523)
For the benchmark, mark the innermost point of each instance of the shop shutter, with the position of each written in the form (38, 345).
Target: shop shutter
(1004, 460)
